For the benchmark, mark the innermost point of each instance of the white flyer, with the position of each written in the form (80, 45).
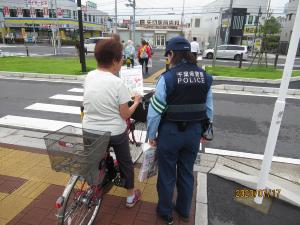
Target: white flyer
(133, 79)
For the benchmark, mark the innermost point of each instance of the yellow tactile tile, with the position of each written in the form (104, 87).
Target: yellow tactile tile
(122, 192)
(36, 173)
(3, 221)
(56, 178)
(31, 189)
(149, 197)
(2, 196)
(13, 206)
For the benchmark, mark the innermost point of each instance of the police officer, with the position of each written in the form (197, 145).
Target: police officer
(182, 101)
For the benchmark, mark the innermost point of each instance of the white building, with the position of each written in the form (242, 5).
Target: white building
(204, 26)
(26, 18)
(287, 26)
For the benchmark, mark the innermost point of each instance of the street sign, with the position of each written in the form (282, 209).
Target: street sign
(257, 44)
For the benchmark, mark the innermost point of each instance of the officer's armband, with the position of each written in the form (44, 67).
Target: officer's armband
(157, 105)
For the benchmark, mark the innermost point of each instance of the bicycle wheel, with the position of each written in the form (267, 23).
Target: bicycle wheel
(136, 139)
(81, 204)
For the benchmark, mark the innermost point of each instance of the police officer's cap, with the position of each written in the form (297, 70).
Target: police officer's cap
(178, 43)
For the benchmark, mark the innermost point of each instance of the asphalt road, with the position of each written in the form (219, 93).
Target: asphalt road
(241, 123)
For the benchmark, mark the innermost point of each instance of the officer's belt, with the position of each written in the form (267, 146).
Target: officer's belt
(186, 108)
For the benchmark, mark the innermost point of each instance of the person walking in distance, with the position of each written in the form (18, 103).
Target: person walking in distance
(181, 105)
(195, 49)
(129, 53)
(144, 54)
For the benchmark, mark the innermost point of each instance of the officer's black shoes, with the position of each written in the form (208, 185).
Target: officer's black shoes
(184, 218)
(169, 219)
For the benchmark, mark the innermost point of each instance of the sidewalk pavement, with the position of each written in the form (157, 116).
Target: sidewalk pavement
(220, 200)
(29, 189)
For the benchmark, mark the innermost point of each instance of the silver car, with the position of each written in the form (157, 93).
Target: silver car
(228, 52)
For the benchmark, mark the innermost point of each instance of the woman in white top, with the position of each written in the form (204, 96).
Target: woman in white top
(106, 108)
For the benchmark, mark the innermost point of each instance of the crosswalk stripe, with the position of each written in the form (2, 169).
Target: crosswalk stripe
(78, 90)
(68, 97)
(35, 123)
(55, 108)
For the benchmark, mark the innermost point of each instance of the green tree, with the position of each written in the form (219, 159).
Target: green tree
(271, 26)
(270, 30)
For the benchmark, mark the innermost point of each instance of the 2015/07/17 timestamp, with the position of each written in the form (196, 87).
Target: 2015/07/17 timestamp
(249, 193)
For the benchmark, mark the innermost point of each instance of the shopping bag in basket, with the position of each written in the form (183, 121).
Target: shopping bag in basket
(149, 63)
(149, 165)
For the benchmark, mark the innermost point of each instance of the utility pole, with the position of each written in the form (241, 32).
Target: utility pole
(229, 22)
(133, 5)
(2, 27)
(217, 38)
(279, 108)
(116, 16)
(182, 16)
(81, 39)
(57, 27)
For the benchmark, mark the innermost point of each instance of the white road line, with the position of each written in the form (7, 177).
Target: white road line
(68, 97)
(78, 90)
(55, 108)
(35, 123)
(250, 155)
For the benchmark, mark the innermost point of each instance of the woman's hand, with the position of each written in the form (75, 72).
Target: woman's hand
(137, 99)
(152, 143)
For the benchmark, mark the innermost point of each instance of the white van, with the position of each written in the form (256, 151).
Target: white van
(90, 44)
(228, 52)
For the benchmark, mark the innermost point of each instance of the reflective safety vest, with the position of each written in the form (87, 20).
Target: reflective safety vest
(187, 86)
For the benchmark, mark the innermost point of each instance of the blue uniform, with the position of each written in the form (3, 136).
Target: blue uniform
(183, 87)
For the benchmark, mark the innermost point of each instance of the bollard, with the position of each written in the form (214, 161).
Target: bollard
(241, 60)
(167, 64)
(276, 60)
(27, 52)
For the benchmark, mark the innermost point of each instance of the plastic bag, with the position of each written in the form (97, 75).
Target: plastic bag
(149, 166)
(150, 63)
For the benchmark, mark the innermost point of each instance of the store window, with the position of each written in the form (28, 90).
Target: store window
(160, 40)
(66, 13)
(90, 18)
(250, 20)
(39, 13)
(75, 15)
(13, 13)
(94, 19)
(197, 22)
(85, 17)
(26, 13)
(52, 13)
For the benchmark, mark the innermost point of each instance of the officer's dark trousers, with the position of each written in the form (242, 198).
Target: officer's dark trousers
(176, 153)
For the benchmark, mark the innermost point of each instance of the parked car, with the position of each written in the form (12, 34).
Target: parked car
(90, 43)
(1, 54)
(228, 52)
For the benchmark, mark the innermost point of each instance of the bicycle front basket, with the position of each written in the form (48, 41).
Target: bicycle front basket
(75, 150)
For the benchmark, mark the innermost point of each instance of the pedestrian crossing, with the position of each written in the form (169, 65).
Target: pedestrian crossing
(52, 113)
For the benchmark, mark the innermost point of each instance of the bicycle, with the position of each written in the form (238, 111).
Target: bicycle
(93, 172)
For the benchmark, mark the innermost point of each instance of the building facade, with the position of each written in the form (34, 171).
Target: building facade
(287, 26)
(215, 14)
(156, 32)
(37, 19)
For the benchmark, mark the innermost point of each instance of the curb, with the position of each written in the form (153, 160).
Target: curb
(4, 74)
(255, 89)
(252, 80)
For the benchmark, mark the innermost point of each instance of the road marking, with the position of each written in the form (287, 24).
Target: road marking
(35, 123)
(68, 97)
(77, 90)
(250, 155)
(55, 108)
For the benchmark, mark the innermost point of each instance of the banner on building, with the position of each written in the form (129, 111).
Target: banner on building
(238, 21)
(19, 12)
(59, 12)
(32, 12)
(6, 11)
(46, 12)
(36, 3)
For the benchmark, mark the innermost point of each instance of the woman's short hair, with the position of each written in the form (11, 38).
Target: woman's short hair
(144, 42)
(178, 56)
(107, 52)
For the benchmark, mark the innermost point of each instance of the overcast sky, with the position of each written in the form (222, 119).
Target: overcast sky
(165, 7)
